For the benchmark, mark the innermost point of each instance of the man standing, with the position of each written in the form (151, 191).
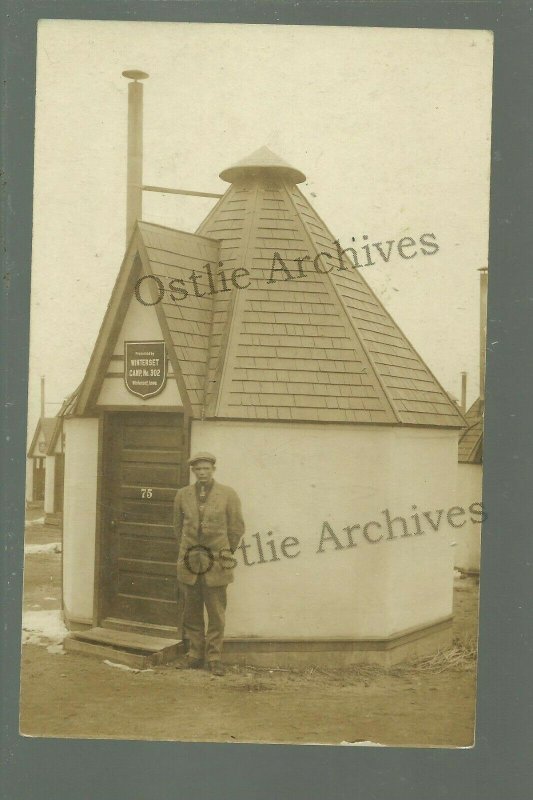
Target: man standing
(209, 525)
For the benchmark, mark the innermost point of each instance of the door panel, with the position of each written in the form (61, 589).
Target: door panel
(147, 510)
(160, 494)
(146, 549)
(135, 585)
(160, 474)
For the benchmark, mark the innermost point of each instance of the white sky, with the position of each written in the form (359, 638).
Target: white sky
(390, 126)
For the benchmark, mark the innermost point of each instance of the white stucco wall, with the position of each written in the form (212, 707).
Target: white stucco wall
(79, 517)
(467, 548)
(140, 324)
(423, 479)
(294, 477)
(49, 481)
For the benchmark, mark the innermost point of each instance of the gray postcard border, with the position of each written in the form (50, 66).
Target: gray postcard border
(497, 766)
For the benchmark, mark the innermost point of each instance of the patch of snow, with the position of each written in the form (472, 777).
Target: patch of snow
(43, 627)
(457, 574)
(38, 521)
(124, 667)
(56, 649)
(51, 547)
(363, 744)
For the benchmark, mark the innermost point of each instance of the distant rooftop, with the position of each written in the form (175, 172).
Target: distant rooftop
(471, 441)
(45, 425)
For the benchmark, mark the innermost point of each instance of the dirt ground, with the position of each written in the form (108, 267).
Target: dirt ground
(426, 703)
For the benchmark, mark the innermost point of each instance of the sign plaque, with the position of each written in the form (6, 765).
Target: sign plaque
(145, 368)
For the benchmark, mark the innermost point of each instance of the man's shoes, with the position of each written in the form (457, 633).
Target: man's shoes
(216, 668)
(190, 663)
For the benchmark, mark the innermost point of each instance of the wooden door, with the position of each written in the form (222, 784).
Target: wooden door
(38, 480)
(59, 481)
(144, 455)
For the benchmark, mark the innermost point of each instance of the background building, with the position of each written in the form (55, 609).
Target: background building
(35, 485)
(470, 474)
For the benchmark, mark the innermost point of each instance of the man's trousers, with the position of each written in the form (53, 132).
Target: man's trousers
(202, 645)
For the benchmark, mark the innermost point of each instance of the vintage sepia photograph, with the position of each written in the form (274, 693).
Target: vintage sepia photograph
(259, 282)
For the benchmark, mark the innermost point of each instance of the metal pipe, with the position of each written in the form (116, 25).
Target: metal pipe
(135, 149)
(164, 190)
(42, 397)
(463, 391)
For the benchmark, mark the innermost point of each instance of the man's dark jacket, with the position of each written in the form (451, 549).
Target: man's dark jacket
(207, 551)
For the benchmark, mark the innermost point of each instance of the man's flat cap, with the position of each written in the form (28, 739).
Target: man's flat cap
(201, 457)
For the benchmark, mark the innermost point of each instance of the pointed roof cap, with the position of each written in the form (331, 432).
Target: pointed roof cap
(260, 161)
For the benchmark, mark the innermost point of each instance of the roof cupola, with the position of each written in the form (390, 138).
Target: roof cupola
(262, 162)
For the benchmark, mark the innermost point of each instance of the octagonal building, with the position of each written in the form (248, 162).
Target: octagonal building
(338, 438)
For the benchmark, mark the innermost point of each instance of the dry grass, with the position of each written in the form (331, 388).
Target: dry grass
(462, 655)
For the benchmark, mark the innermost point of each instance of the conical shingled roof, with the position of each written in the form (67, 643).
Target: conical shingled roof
(294, 344)
(319, 347)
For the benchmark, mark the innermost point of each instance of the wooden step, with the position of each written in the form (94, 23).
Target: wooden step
(124, 647)
(146, 628)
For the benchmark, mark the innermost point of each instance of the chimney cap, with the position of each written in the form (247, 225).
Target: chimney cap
(135, 74)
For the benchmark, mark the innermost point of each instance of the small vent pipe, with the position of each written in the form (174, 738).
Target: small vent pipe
(463, 391)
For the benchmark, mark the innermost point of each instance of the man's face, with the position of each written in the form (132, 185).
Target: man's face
(203, 471)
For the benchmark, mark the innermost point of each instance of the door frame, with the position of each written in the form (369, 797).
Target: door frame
(105, 420)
